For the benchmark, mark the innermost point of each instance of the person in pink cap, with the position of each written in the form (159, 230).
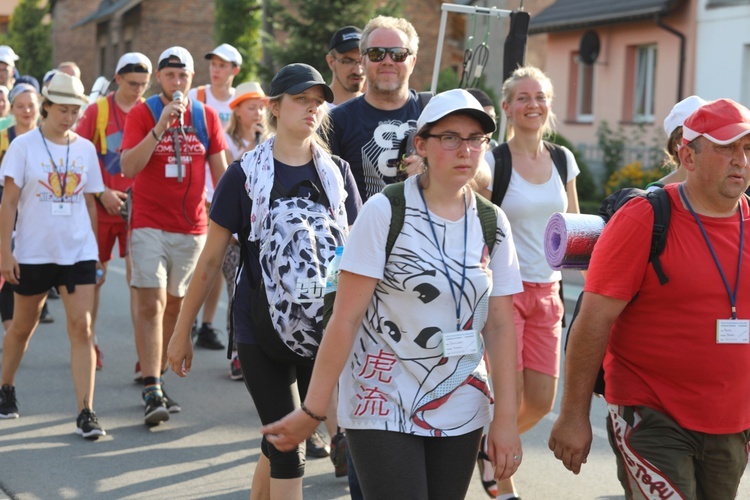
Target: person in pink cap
(675, 355)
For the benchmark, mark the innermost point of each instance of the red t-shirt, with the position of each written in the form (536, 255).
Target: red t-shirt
(159, 201)
(109, 163)
(662, 350)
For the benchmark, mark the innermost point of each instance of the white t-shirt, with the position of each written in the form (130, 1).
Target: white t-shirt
(53, 223)
(225, 113)
(395, 378)
(529, 207)
(221, 107)
(235, 153)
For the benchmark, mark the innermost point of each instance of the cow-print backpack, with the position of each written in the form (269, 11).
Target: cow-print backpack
(298, 241)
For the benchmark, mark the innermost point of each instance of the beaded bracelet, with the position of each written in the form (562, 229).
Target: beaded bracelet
(311, 414)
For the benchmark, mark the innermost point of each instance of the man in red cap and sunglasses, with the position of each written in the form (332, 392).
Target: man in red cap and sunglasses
(676, 356)
(367, 130)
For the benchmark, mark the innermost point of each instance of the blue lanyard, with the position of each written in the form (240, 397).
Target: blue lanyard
(456, 300)
(64, 179)
(732, 296)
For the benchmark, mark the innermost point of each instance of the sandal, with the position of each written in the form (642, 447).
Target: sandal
(490, 487)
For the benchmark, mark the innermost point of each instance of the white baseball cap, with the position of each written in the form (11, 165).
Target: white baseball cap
(680, 112)
(186, 60)
(227, 53)
(8, 56)
(134, 58)
(453, 101)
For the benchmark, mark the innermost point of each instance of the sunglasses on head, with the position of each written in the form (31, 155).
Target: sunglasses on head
(398, 54)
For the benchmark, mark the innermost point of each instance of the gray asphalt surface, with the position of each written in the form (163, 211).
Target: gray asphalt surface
(209, 450)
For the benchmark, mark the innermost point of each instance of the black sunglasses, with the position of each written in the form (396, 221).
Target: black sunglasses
(398, 54)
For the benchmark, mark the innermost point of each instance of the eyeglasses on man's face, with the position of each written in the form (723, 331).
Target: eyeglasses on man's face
(398, 54)
(348, 61)
(451, 142)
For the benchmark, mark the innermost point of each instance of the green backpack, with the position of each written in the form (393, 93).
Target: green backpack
(395, 193)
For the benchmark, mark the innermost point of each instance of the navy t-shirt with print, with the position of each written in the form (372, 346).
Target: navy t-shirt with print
(231, 208)
(369, 138)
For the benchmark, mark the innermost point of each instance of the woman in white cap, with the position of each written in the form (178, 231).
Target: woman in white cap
(51, 176)
(294, 157)
(673, 128)
(406, 339)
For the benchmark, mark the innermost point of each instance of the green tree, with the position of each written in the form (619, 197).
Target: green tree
(31, 38)
(309, 24)
(238, 23)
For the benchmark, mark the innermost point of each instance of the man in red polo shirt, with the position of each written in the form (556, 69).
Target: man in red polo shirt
(168, 217)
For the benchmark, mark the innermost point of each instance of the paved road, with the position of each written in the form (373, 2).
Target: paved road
(207, 451)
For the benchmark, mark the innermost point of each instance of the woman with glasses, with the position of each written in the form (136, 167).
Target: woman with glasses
(408, 332)
(534, 193)
(51, 175)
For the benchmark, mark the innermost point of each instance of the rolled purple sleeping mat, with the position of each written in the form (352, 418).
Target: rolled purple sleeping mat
(569, 240)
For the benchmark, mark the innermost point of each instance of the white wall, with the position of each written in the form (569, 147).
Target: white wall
(723, 53)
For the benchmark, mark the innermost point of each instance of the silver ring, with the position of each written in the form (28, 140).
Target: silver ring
(516, 457)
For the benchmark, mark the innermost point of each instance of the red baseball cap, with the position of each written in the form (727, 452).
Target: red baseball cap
(722, 121)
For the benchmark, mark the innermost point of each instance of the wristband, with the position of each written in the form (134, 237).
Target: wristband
(155, 136)
(311, 414)
(98, 195)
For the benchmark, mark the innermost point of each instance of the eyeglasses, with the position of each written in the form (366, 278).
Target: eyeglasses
(136, 85)
(348, 61)
(451, 142)
(398, 54)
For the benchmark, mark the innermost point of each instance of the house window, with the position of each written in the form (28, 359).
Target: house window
(584, 92)
(645, 76)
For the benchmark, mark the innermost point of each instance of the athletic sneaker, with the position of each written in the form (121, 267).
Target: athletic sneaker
(87, 425)
(99, 357)
(338, 455)
(156, 409)
(8, 402)
(138, 378)
(315, 446)
(208, 338)
(172, 405)
(235, 369)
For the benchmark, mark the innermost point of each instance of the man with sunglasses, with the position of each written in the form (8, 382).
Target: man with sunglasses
(345, 62)
(103, 124)
(367, 130)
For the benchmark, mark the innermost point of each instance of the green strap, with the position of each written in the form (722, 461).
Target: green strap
(395, 194)
(488, 218)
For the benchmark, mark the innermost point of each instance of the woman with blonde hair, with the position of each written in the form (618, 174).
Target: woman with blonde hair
(535, 191)
(245, 129)
(293, 156)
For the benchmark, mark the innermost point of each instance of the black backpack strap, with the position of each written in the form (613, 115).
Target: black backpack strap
(424, 98)
(662, 208)
(395, 194)
(503, 170)
(488, 218)
(560, 159)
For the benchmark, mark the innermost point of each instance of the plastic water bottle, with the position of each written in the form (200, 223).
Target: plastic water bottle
(332, 272)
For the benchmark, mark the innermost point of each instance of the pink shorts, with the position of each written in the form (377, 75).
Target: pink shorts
(537, 313)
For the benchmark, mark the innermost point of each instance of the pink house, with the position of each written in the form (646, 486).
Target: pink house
(626, 62)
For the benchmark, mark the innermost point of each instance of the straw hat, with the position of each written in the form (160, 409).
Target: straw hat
(245, 91)
(65, 89)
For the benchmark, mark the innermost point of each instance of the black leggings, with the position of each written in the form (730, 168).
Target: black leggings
(277, 389)
(396, 465)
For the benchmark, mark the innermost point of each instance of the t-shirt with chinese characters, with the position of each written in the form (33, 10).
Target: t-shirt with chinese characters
(53, 224)
(160, 200)
(397, 377)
